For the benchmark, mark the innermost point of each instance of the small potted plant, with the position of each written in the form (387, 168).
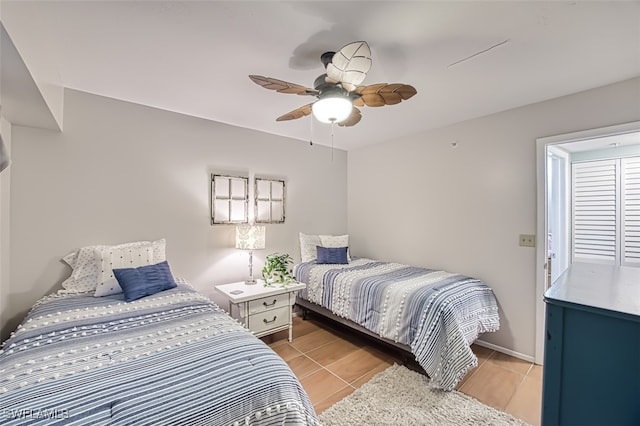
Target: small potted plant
(277, 269)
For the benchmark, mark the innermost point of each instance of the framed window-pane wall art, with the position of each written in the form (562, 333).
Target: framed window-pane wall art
(269, 200)
(229, 199)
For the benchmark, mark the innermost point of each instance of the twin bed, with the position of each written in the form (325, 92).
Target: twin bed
(174, 357)
(435, 315)
(144, 351)
(170, 358)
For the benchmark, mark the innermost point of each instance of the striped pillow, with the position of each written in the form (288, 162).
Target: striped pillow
(145, 280)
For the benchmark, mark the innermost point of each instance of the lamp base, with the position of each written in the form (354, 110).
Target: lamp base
(251, 281)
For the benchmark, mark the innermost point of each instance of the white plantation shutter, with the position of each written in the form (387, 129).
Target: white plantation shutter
(606, 211)
(631, 211)
(595, 227)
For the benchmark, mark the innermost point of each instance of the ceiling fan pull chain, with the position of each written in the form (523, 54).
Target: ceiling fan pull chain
(333, 125)
(311, 132)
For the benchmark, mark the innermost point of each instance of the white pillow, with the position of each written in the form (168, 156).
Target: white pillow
(333, 241)
(308, 244)
(84, 276)
(87, 271)
(131, 255)
(71, 259)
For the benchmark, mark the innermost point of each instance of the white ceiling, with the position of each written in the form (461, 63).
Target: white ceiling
(194, 57)
(615, 141)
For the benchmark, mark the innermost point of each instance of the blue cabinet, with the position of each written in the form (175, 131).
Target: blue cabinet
(592, 349)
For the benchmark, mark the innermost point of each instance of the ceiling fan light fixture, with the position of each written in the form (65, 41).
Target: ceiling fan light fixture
(332, 109)
(338, 90)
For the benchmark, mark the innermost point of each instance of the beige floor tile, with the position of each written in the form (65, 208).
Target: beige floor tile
(527, 401)
(302, 327)
(369, 375)
(302, 366)
(357, 364)
(285, 350)
(321, 385)
(338, 396)
(535, 372)
(510, 363)
(313, 340)
(332, 351)
(505, 382)
(481, 353)
(493, 385)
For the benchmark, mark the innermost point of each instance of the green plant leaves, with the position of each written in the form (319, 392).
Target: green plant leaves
(277, 268)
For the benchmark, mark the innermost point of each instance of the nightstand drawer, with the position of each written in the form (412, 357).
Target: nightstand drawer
(268, 303)
(267, 320)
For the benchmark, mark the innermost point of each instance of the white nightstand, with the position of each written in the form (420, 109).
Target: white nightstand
(263, 310)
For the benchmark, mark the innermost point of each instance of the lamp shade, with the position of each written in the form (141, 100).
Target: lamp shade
(250, 237)
(332, 109)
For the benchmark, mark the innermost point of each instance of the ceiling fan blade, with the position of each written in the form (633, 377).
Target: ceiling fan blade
(376, 95)
(303, 111)
(350, 65)
(353, 119)
(282, 86)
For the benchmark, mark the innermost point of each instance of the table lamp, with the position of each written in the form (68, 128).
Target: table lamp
(250, 237)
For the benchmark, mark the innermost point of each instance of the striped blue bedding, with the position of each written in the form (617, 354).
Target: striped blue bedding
(171, 358)
(436, 313)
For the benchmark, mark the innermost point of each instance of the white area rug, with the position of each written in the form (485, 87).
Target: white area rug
(399, 396)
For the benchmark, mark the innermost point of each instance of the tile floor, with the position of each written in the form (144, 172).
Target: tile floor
(331, 362)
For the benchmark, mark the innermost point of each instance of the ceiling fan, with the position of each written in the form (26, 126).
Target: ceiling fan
(338, 90)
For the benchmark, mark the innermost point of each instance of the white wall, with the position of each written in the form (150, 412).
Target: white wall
(123, 172)
(38, 58)
(418, 200)
(5, 264)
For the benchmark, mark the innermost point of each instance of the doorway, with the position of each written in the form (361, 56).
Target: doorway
(554, 214)
(558, 212)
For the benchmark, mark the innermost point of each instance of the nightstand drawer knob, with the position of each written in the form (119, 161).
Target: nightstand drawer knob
(266, 305)
(269, 322)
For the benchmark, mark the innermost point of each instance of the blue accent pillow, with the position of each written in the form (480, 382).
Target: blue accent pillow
(144, 280)
(332, 255)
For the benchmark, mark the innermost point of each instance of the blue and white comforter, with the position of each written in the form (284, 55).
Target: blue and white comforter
(170, 358)
(437, 313)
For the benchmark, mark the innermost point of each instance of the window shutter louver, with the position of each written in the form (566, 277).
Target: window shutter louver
(594, 211)
(631, 211)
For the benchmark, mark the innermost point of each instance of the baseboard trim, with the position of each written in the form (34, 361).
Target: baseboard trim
(497, 348)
